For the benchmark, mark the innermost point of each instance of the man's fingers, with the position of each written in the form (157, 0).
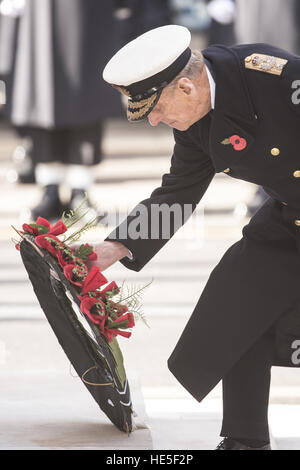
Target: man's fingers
(108, 253)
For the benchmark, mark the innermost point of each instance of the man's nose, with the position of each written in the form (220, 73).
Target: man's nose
(154, 118)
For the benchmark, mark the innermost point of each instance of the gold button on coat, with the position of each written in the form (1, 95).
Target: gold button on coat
(275, 152)
(296, 174)
(297, 222)
(227, 170)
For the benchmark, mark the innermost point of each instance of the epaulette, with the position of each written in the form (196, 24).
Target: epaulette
(265, 63)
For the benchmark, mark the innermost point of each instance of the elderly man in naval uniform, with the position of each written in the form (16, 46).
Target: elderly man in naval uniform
(233, 110)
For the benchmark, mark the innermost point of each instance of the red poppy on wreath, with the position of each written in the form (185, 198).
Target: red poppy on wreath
(49, 242)
(95, 310)
(112, 328)
(102, 294)
(238, 143)
(86, 252)
(112, 318)
(111, 334)
(111, 287)
(93, 280)
(41, 226)
(65, 257)
(31, 229)
(75, 274)
(127, 319)
(58, 228)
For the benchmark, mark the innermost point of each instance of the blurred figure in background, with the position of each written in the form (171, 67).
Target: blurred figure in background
(10, 13)
(221, 29)
(56, 97)
(138, 16)
(9, 20)
(212, 19)
(275, 22)
(56, 94)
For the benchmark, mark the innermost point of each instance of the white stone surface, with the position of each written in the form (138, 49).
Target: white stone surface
(53, 410)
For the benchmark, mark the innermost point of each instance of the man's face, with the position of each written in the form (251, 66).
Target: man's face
(182, 105)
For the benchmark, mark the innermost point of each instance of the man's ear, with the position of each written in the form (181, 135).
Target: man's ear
(185, 85)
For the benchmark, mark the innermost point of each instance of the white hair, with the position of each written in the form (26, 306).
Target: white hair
(192, 70)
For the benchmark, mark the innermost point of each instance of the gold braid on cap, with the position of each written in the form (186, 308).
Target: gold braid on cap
(122, 89)
(133, 116)
(145, 102)
(139, 114)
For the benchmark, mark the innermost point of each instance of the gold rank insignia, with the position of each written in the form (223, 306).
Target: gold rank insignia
(265, 63)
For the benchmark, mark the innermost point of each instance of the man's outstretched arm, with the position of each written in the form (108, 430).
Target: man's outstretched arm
(142, 233)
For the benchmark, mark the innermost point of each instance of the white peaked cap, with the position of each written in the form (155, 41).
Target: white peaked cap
(144, 66)
(147, 55)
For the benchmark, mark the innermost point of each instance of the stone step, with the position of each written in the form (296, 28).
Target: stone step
(37, 413)
(109, 191)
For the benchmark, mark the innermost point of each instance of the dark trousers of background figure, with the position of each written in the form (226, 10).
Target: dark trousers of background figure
(246, 392)
(63, 156)
(80, 145)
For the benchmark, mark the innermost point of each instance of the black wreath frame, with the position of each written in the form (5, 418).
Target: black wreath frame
(84, 345)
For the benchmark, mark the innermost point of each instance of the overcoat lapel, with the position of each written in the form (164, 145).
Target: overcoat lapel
(230, 116)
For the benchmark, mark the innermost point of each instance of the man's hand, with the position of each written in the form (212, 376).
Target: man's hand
(108, 253)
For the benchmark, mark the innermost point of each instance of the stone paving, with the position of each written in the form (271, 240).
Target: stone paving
(34, 372)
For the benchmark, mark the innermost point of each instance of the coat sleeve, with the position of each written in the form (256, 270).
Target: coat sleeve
(182, 188)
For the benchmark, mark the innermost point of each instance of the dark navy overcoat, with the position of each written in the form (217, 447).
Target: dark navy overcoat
(256, 284)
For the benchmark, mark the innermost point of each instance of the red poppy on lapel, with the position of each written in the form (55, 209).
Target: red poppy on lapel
(238, 143)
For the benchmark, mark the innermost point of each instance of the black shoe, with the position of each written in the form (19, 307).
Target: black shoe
(50, 207)
(229, 443)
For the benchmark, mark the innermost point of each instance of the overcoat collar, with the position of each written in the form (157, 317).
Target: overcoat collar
(234, 113)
